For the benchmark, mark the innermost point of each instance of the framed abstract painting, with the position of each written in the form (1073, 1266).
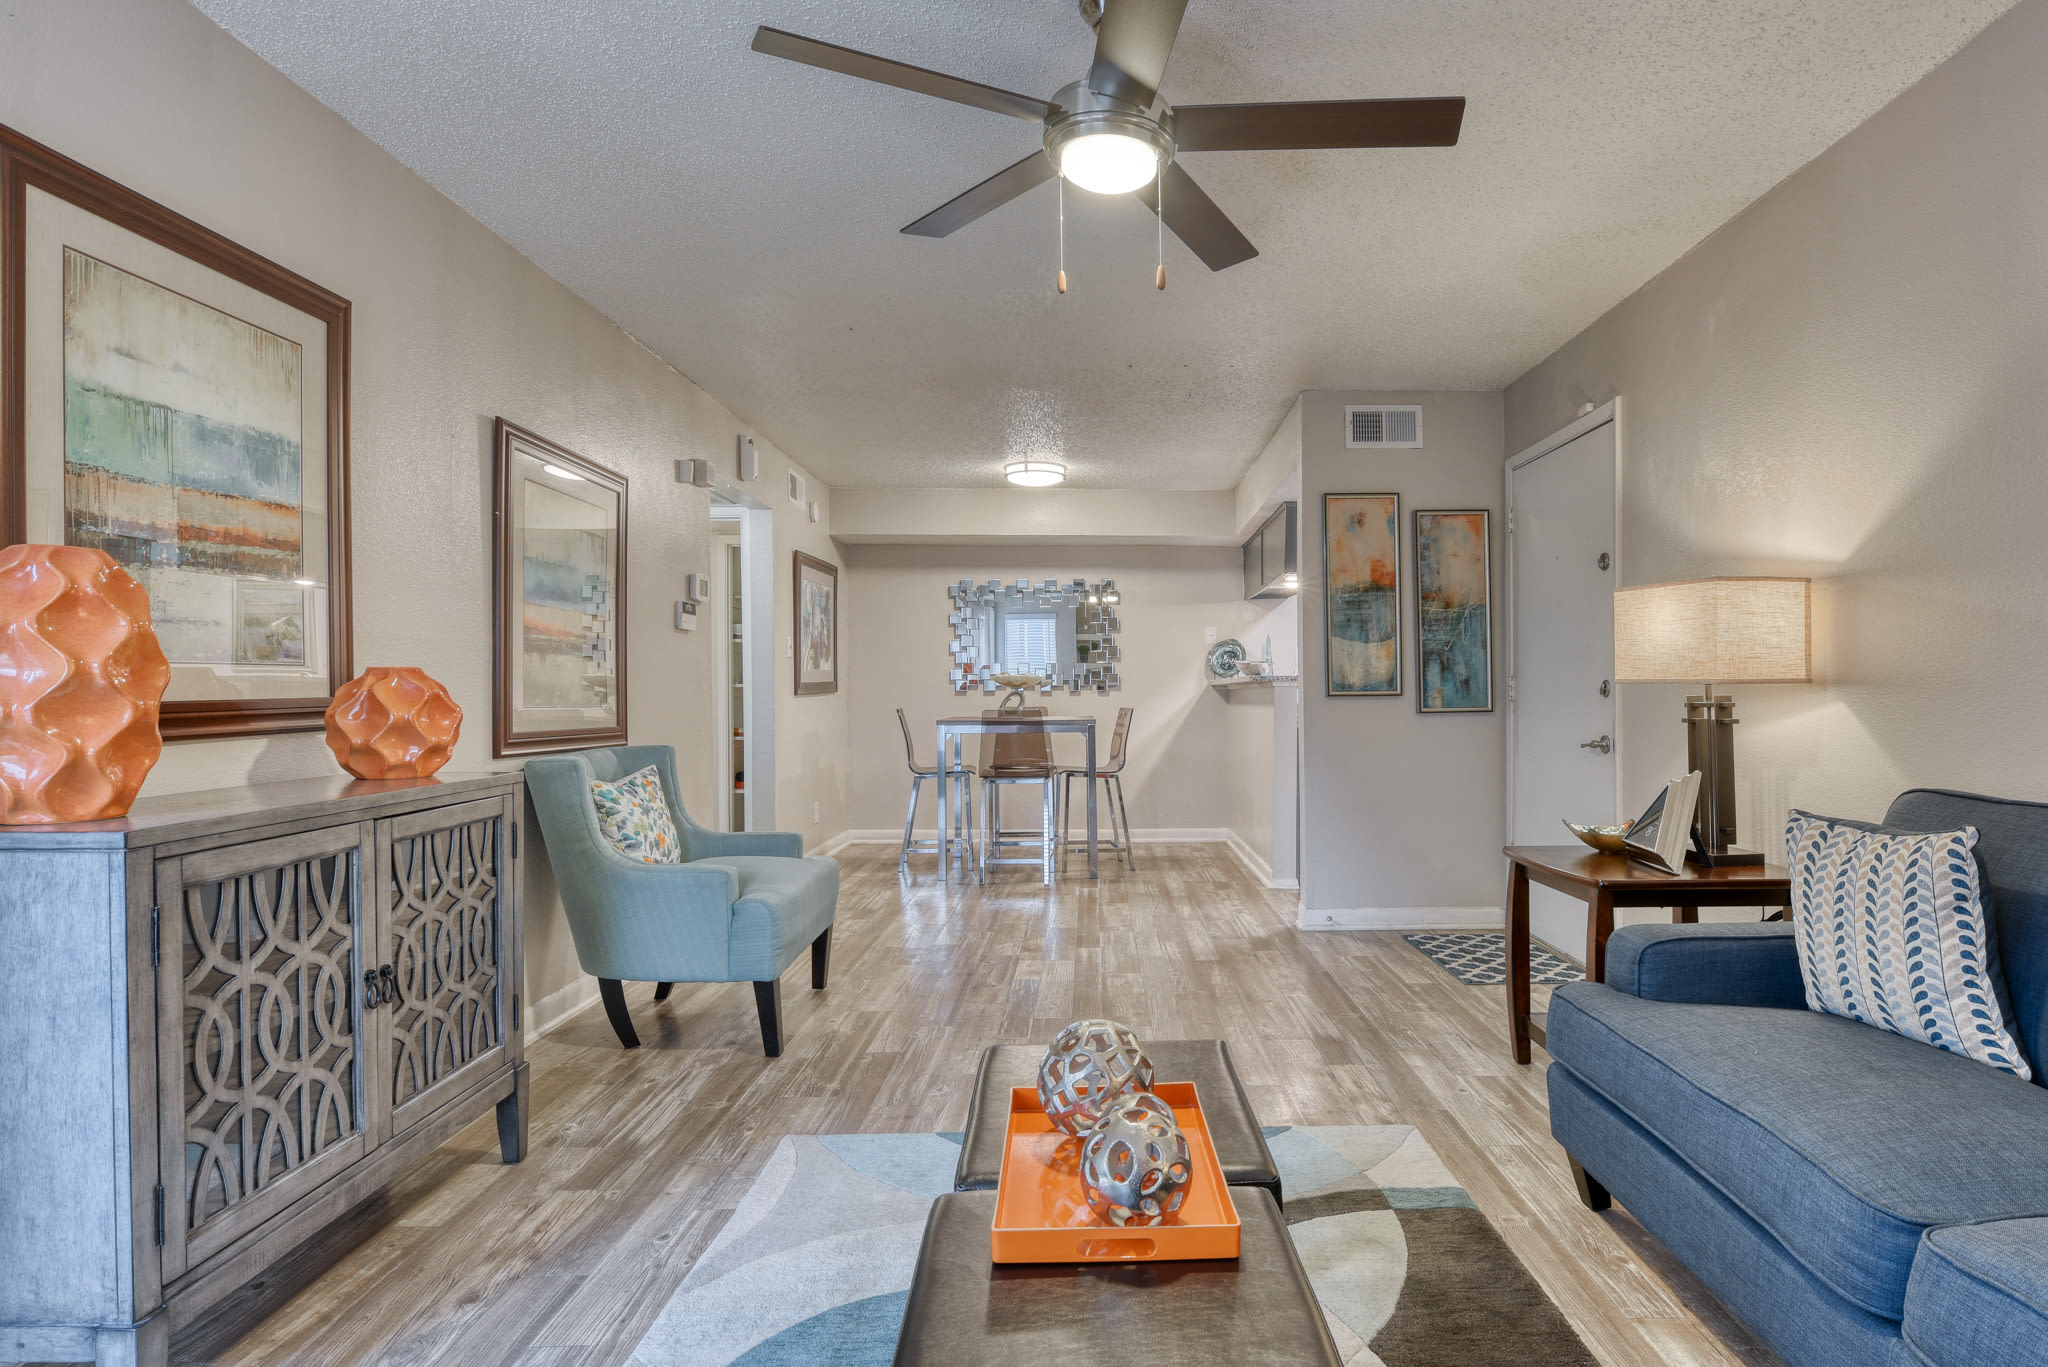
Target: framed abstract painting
(1453, 611)
(817, 626)
(1361, 594)
(558, 598)
(181, 403)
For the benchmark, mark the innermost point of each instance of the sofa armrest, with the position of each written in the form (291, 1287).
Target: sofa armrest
(708, 844)
(1741, 964)
(1978, 1294)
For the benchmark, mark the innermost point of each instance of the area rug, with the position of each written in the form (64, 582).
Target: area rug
(814, 1266)
(1479, 958)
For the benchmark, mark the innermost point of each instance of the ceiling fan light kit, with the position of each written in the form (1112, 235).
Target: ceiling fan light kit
(1035, 474)
(1111, 133)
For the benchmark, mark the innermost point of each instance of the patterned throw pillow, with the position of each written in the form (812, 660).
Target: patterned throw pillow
(1893, 932)
(633, 815)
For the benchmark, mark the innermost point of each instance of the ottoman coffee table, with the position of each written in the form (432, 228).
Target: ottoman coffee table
(1234, 1131)
(1254, 1310)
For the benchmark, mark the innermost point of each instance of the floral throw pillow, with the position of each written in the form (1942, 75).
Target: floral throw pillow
(633, 815)
(1893, 931)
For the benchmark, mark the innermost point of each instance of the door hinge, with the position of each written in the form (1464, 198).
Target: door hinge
(1511, 688)
(159, 1214)
(1511, 522)
(156, 939)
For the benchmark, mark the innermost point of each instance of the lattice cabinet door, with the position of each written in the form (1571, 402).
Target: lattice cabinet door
(259, 1031)
(448, 951)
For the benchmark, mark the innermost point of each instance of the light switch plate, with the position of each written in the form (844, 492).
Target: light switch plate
(686, 616)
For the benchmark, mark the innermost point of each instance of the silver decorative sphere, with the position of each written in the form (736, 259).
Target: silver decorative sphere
(1088, 1067)
(1135, 1163)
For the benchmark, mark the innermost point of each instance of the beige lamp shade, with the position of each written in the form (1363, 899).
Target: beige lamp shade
(1715, 631)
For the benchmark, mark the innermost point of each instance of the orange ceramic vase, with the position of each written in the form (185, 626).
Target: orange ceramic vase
(81, 680)
(392, 722)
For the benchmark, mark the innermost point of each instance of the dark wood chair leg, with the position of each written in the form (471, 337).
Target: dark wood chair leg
(821, 958)
(768, 999)
(1591, 1194)
(512, 1119)
(615, 1007)
(661, 991)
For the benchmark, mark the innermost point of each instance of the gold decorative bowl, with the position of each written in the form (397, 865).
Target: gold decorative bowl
(1606, 839)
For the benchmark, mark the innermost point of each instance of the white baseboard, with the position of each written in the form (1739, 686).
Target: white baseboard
(834, 844)
(1162, 835)
(557, 1006)
(1402, 918)
(1249, 857)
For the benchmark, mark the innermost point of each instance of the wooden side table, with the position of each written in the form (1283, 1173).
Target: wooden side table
(1604, 882)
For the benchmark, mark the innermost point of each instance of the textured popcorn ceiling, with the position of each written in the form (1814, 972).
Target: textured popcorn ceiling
(739, 214)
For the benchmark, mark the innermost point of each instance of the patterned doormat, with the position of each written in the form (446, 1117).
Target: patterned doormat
(1479, 958)
(814, 1265)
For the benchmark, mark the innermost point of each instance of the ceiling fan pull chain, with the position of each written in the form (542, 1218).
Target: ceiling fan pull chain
(1159, 220)
(1063, 235)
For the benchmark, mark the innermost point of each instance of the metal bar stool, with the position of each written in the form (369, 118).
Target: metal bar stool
(1015, 757)
(963, 785)
(1111, 776)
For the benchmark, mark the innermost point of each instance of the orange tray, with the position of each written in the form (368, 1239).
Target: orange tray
(1042, 1213)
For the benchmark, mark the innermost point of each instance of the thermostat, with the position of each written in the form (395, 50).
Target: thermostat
(686, 616)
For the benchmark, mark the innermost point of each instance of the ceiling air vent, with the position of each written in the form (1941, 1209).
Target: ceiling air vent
(1382, 425)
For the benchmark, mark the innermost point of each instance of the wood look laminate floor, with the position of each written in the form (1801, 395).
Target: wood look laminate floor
(638, 1158)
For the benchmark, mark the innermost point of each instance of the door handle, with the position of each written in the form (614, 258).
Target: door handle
(388, 980)
(373, 992)
(1604, 745)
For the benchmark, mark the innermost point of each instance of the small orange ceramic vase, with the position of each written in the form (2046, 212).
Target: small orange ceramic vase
(81, 681)
(392, 722)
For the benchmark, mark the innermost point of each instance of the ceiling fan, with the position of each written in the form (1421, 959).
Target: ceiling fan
(1110, 132)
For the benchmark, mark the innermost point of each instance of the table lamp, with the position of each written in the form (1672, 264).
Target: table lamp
(1715, 631)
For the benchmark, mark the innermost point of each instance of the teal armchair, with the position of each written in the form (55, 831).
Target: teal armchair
(739, 908)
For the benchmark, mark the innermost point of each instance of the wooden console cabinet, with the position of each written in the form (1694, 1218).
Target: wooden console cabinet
(229, 1018)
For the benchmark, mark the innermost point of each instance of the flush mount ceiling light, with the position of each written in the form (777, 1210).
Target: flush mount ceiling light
(1034, 474)
(1110, 132)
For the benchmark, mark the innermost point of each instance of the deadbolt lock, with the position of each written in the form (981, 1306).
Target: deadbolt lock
(1606, 687)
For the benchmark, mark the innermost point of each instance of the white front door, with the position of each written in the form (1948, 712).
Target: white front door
(1562, 761)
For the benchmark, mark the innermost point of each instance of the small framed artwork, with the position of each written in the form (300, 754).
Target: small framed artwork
(817, 626)
(181, 403)
(1361, 596)
(1453, 612)
(559, 598)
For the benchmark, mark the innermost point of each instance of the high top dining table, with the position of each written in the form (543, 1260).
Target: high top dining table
(953, 730)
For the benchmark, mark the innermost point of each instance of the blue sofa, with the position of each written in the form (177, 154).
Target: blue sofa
(1859, 1199)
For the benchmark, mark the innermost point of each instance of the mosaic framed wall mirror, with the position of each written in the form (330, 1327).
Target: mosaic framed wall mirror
(1057, 635)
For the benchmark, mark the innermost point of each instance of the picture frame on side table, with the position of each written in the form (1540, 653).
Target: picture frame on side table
(181, 403)
(817, 625)
(1453, 611)
(1362, 595)
(558, 588)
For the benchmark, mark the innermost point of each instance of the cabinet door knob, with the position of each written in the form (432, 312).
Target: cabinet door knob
(373, 993)
(388, 980)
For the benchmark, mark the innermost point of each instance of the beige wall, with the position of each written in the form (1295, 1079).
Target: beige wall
(898, 657)
(1847, 381)
(452, 328)
(1401, 813)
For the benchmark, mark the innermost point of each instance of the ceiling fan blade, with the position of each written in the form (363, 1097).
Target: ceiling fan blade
(998, 190)
(902, 75)
(1197, 221)
(1318, 123)
(1132, 44)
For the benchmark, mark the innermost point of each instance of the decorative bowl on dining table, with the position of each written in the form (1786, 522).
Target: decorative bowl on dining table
(1606, 839)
